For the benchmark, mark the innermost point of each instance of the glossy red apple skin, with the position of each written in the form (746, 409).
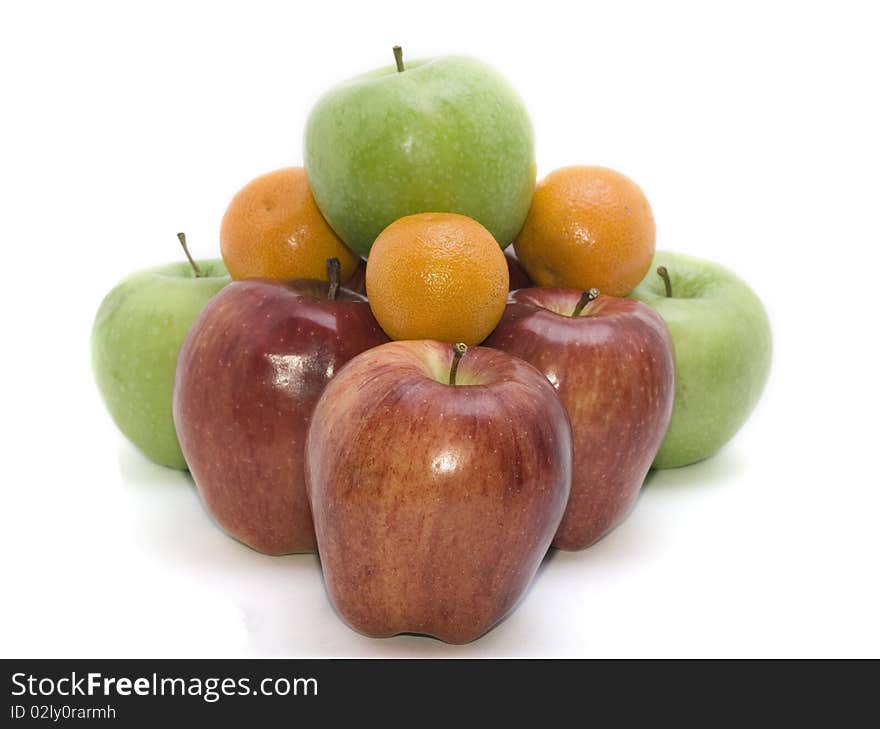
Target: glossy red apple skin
(435, 504)
(249, 373)
(519, 278)
(613, 369)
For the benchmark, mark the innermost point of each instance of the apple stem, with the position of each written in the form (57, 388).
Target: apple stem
(182, 238)
(458, 350)
(586, 298)
(333, 277)
(398, 58)
(664, 274)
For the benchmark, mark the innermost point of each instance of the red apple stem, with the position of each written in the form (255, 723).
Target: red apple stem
(333, 266)
(182, 238)
(458, 350)
(398, 58)
(586, 297)
(664, 274)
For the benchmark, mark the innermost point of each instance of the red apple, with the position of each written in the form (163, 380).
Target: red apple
(519, 278)
(434, 503)
(249, 373)
(611, 363)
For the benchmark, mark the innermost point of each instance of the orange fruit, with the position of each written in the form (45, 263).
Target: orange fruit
(587, 227)
(437, 276)
(273, 229)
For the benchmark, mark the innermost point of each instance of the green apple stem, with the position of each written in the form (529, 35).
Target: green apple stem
(458, 350)
(398, 58)
(182, 238)
(333, 277)
(586, 298)
(664, 274)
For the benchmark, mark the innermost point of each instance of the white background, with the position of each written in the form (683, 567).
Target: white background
(754, 133)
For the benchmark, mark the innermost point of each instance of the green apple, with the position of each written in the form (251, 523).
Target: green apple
(441, 135)
(137, 333)
(722, 343)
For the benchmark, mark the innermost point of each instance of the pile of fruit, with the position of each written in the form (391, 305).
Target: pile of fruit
(375, 379)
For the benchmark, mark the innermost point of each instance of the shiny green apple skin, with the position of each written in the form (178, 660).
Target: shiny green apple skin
(137, 333)
(722, 344)
(444, 135)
